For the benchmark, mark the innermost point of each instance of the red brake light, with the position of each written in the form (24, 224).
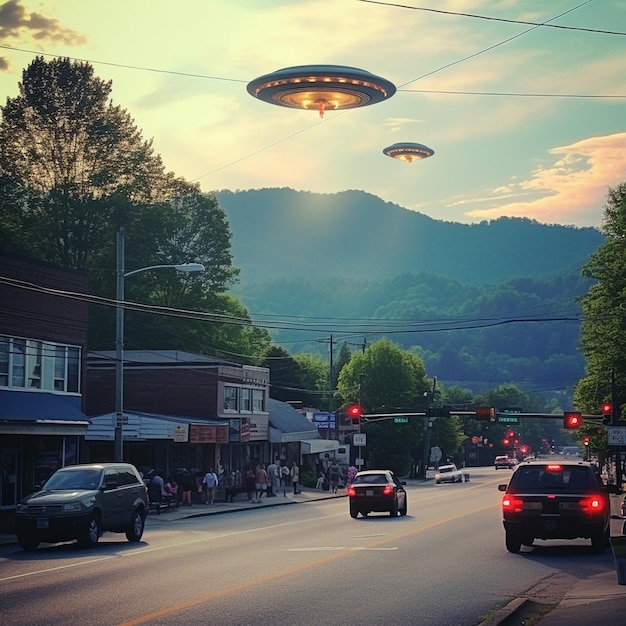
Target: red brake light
(554, 467)
(388, 490)
(351, 491)
(512, 504)
(592, 504)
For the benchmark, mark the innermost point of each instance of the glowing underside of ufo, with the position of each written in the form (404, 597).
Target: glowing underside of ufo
(408, 152)
(321, 87)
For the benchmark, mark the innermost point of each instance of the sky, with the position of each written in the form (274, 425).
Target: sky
(526, 119)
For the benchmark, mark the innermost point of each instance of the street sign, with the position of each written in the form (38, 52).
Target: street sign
(617, 435)
(507, 419)
(400, 420)
(323, 419)
(359, 439)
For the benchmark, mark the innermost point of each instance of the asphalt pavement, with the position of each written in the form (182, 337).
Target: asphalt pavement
(599, 599)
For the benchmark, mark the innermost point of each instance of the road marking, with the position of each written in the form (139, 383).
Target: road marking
(329, 549)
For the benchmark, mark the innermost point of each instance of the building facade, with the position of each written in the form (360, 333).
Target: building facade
(43, 338)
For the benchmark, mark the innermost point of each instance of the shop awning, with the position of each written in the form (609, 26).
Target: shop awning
(32, 406)
(315, 446)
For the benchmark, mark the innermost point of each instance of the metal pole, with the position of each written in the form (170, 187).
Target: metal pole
(118, 449)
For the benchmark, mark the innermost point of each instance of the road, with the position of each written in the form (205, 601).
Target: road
(444, 563)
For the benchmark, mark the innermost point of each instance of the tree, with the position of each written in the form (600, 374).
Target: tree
(72, 162)
(388, 378)
(603, 332)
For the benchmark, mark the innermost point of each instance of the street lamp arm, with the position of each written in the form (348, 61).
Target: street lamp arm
(182, 267)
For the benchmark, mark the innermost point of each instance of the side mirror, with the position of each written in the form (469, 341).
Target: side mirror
(502, 487)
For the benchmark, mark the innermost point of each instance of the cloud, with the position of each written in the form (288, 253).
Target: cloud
(15, 23)
(573, 188)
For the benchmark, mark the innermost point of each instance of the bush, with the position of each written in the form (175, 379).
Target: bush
(307, 479)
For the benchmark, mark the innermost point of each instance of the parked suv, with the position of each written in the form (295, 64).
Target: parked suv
(555, 500)
(81, 502)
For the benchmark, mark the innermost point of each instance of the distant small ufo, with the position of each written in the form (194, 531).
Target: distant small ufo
(321, 87)
(408, 152)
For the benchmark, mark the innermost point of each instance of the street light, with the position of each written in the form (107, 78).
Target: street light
(118, 452)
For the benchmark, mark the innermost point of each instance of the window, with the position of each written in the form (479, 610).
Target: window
(4, 361)
(33, 364)
(36, 364)
(231, 397)
(258, 397)
(246, 399)
(19, 363)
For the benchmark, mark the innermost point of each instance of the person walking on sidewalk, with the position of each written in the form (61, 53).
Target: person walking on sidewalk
(295, 477)
(210, 485)
(334, 475)
(260, 478)
(249, 484)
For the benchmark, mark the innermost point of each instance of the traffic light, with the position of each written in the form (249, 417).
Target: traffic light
(485, 413)
(586, 441)
(572, 420)
(607, 412)
(354, 413)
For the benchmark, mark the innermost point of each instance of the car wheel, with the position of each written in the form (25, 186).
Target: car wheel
(354, 512)
(513, 542)
(28, 543)
(135, 530)
(528, 541)
(404, 508)
(598, 542)
(91, 534)
(393, 512)
(437, 481)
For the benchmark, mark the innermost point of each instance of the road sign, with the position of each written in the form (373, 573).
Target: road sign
(324, 419)
(400, 420)
(507, 419)
(359, 439)
(617, 435)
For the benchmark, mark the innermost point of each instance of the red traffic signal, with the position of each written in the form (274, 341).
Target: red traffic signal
(586, 441)
(354, 413)
(607, 409)
(572, 420)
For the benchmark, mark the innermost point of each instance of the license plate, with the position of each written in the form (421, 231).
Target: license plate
(550, 524)
(42, 523)
(369, 492)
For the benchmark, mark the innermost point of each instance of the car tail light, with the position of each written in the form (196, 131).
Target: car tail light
(554, 467)
(592, 504)
(512, 504)
(388, 490)
(351, 491)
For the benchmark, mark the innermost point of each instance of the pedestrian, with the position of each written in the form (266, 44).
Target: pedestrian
(273, 479)
(285, 478)
(352, 472)
(334, 475)
(172, 489)
(249, 484)
(260, 479)
(229, 485)
(186, 485)
(210, 485)
(295, 477)
(321, 479)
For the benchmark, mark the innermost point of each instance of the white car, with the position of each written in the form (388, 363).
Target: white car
(449, 474)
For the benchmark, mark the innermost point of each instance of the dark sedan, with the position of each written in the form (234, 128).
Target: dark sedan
(377, 491)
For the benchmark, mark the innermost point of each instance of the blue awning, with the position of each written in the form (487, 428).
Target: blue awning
(40, 407)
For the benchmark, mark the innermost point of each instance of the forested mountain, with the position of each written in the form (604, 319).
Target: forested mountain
(283, 233)
(482, 304)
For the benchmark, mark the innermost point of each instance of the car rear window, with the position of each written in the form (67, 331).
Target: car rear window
(566, 479)
(370, 479)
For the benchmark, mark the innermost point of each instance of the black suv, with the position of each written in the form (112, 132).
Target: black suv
(81, 502)
(555, 500)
